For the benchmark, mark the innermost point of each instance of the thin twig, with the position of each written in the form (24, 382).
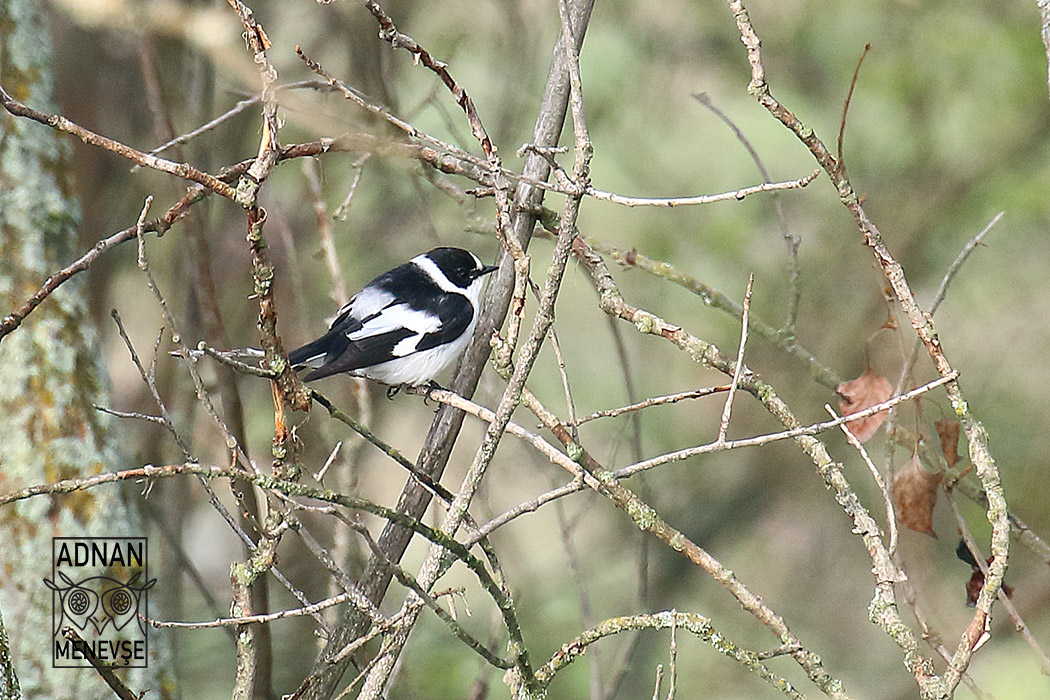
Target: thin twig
(150, 381)
(342, 211)
(811, 429)
(397, 40)
(961, 258)
(255, 619)
(727, 410)
(673, 657)
(887, 497)
(230, 359)
(654, 401)
(358, 98)
(845, 110)
(112, 680)
(942, 291)
(319, 476)
(239, 107)
(530, 506)
(339, 578)
(563, 373)
(160, 420)
(790, 240)
(700, 198)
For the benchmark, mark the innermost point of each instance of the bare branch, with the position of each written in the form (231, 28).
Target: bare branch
(255, 619)
(723, 426)
(654, 401)
(791, 433)
(60, 123)
(887, 497)
(700, 198)
(698, 625)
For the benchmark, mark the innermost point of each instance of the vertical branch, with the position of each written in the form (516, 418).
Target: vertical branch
(269, 148)
(288, 392)
(727, 410)
(445, 428)
(1044, 20)
(243, 577)
(520, 679)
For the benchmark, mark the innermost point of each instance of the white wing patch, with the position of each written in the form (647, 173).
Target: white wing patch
(395, 318)
(406, 346)
(365, 303)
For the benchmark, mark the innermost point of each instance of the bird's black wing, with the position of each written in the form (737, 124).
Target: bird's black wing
(363, 352)
(455, 313)
(329, 346)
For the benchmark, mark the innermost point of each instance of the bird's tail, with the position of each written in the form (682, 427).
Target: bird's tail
(311, 355)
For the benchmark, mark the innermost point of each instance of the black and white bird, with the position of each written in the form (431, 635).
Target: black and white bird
(406, 325)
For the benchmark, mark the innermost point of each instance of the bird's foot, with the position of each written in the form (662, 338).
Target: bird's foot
(430, 387)
(392, 391)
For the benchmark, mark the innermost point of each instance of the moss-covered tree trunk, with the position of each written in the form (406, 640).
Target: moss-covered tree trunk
(50, 375)
(9, 689)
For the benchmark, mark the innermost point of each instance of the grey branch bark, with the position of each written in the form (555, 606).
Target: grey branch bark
(1044, 22)
(443, 431)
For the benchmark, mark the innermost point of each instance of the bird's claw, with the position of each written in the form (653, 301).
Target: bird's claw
(430, 386)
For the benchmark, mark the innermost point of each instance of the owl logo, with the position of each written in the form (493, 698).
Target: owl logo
(100, 600)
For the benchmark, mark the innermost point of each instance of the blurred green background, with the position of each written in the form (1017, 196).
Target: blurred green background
(948, 126)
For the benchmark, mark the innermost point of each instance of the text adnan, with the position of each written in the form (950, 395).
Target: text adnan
(101, 553)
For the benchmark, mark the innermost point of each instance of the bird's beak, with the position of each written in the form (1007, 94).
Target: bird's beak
(487, 269)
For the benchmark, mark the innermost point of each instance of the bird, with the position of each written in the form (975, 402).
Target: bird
(406, 325)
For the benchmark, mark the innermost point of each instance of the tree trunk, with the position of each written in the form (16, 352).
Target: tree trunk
(51, 374)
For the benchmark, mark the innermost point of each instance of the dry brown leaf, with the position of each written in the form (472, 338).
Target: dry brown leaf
(949, 433)
(914, 495)
(865, 391)
(976, 582)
